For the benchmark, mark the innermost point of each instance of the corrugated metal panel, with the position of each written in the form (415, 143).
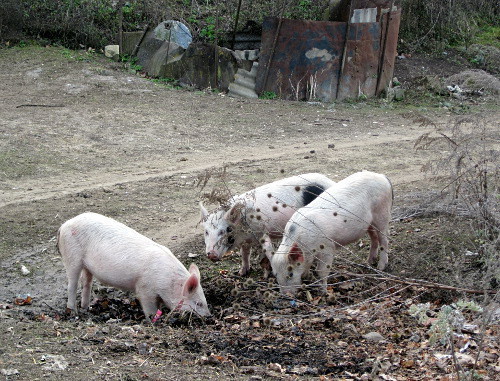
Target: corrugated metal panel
(364, 15)
(303, 59)
(244, 83)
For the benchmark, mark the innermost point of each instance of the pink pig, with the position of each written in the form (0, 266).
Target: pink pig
(344, 213)
(255, 217)
(94, 245)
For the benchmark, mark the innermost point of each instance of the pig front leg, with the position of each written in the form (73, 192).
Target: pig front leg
(267, 246)
(245, 259)
(267, 254)
(323, 267)
(265, 264)
(148, 300)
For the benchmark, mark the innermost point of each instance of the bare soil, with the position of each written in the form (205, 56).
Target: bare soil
(80, 133)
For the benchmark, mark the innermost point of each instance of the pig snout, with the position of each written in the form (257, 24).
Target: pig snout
(213, 256)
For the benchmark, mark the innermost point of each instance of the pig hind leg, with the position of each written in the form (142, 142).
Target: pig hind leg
(379, 245)
(384, 248)
(73, 273)
(374, 244)
(86, 280)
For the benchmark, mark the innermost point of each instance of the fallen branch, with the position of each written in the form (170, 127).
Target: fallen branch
(31, 105)
(418, 282)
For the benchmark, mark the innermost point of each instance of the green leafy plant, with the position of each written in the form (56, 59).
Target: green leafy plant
(208, 32)
(448, 320)
(170, 83)
(268, 95)
(131, 62)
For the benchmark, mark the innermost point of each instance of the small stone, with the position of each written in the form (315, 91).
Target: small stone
(374, 336)
(276, 367)
(415, 338)
(465, 359)
(9, 372)
(112, 51)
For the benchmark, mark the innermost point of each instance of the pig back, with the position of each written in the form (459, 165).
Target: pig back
(269, 207)
(116, 254)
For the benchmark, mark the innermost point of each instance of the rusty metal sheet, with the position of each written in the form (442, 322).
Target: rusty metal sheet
(361, 62)
(302, 60)
(305, 59)
(388, 57)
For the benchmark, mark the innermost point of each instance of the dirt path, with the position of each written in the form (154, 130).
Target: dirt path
(63, 184)
(123, 146)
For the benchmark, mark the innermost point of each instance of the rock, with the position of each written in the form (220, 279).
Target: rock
(174, 31)
(396, 93)
(276, 367)
(303, 370)
(193, 67)
(465, 359)
(9, 372)
(54, 362)
(112, 51)
(197, 65)
(415, 338)
(374, 337)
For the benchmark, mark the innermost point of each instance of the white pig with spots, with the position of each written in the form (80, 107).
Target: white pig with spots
(256, 217)
(344, 213)
(92, 245)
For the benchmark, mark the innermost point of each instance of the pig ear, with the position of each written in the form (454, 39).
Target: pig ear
(193, 269)
(204, 212)
(295, 254)
(233, 215)
(190, 285)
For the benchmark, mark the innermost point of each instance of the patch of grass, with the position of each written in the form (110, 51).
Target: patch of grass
(489, 35)
(131, 62)
(78, 55)
(169, 83)
(268, 95)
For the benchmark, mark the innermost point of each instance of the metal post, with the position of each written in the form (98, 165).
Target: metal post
(271, 53)
(120, 27)
(236, 24)
(344, 53)
(136, 48)
(382, 58)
